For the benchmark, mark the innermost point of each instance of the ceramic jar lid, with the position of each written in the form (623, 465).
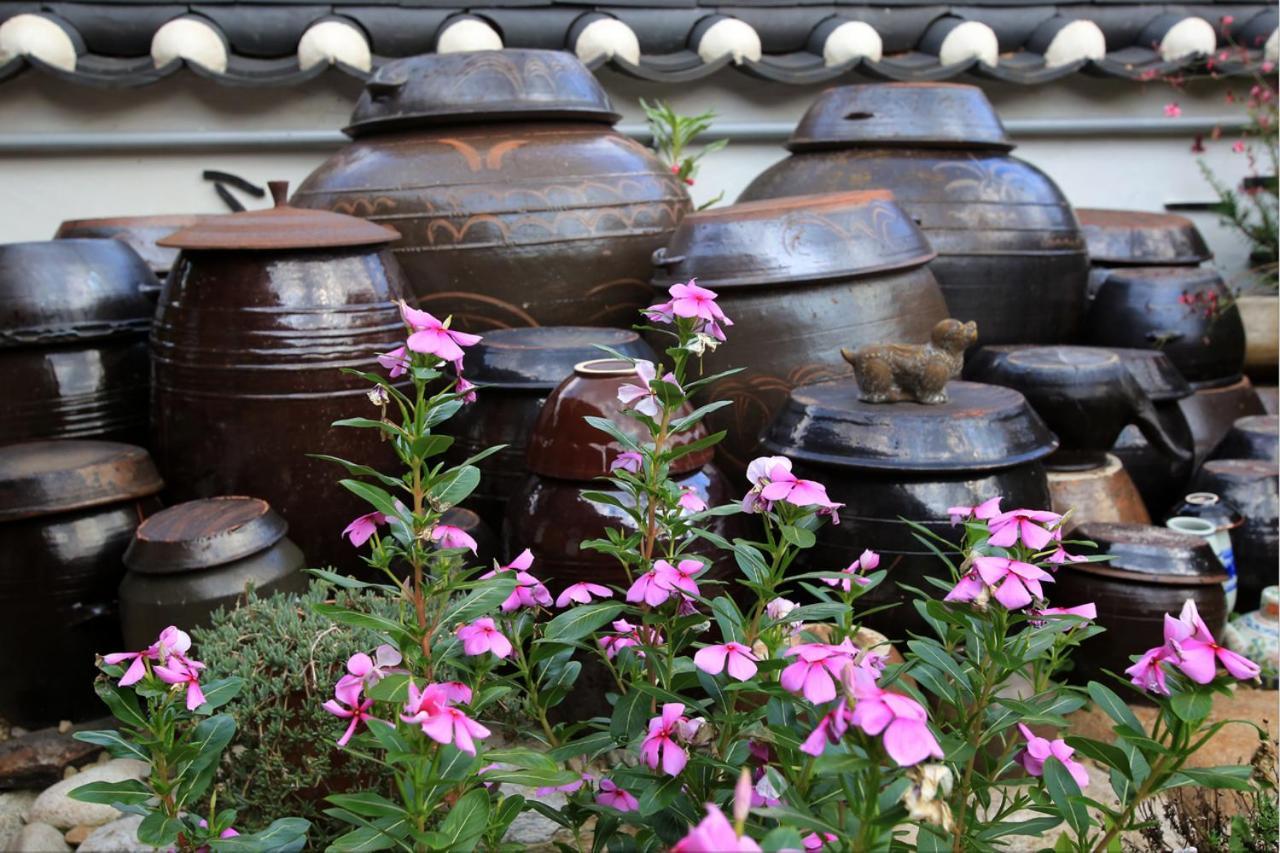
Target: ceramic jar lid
(70, 291)
(1148, 554)
(910, 115)
(1252, 437)
(137, 232)
(563, 445)
(480, 86)
(541, 357)
(792, 239)
(1140, 238)
(203, 533)
(1153, 370)
(45, 477)
(979, 428)
(279, 228)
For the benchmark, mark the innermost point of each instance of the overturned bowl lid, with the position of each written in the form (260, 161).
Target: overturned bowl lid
(139, 233)
(45, 477)
(1153, 370)
(792, 239)
(913, 115)
(203, 533)
(480, 86)
(541, 357)
(1139, 238)
(1147, 554)
(979, 428)
(279, 228)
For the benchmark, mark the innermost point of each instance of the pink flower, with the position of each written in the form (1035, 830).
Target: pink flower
(1197, 653)
(1014, 582)
(1148, 674)
(867, 562)
(628, 460)
(567, 788)
(903, 721)
(1007, 527)
(179, 670)
(815, 669)
(628, 636)
(483, 636)
(689, 502)
(642, 397)
(431, 336)
(1060, 556)
(659, 744)
(1038, 749)
(449, 536)
(396, 362)
(349, 706)
(715, 835)
(813, 841)
(366, 671)
(1228, 20)
(1238, 147)
(171, 641)
(737, 658)
(830, 729)
(529, 591)
(988, 509)
(440, 721)
(1268, 67)
(1084, 611)
(1172, 110)
(692, 301)
(785, 486)
(659, 583)
(582, 593)
(465, 389)
(137, 666)
(361, 529)
(615, 798)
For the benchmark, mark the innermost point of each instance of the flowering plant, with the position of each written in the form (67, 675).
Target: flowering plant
(165, 710)
(672, 135)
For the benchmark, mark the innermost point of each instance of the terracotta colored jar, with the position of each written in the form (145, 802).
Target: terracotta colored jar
(800, 278)
(517, 369)
(1010, 252)
(891, 461)
(73, 327)
(549, 513)
(260, 315)
(516, 201)
(139, 233)
(67, 511)
(191, 559)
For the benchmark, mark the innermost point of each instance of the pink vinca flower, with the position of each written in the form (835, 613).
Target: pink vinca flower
(739, 660)
(440, 721)
(616, 798)
(170, 642)
(902, 720)
(758, 476)
(449, 536)
(433, 337)
(1007, 527)
(483, 636)
(395, 362)
(1061, 556)
(663, 580)
(1015, 584)
(629, 636)
(830, 729)
(815, 670)
(1172, 110)
(715, 835)
(814, 841)
(179, 670)
(366, 671)
(529, 591)
(1039, 749)
(582, 592)
(348, 706)
(690, 503)
(362, 529)
(1197, 653)
(869, 561)
(984, 511)
(785, 486)
(642, 398)
(465, 389)
(567, 788)
(1148, 672)
(627, 460)
(659, 746)
(693, 301)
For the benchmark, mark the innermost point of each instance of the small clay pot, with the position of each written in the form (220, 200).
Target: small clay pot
(1105, 493)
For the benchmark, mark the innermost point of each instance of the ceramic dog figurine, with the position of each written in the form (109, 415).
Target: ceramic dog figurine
(892, 373)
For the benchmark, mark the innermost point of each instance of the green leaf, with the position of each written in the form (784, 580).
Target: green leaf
(690, 420)
(220, 692)
(1237, 778)
(933, 654)
(629, 715)
(482, 600)
(465, 823)
(355, 619)
(607, 426)
(115, 744)
(159, 830)
(1192, 707)
(1065, 794)
(346, 582)
(378, 498)
(536, 777)
(283, 835)
(357, 470)
(782, 838)
(820, 612)
(122, 703)
(659, 795)
(798, 536)
(364, 840)
(729, 618)
(427, 446)
(367, 423)
(1031, 826)
(456, 486)
(391, 688)
(129, 792)
(484, 454)
(1103, 753)
(442, 412)
(577, 622)
(1112, 705)
(751, 561)
(211, 736)
(367, 803)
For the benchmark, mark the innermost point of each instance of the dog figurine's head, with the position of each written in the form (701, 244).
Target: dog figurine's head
(954, 336)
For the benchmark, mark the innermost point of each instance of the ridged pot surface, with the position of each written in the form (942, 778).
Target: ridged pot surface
(248, 350)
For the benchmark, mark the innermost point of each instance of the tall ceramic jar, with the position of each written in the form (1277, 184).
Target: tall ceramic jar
(1010, 252)
(517, 202)
(73, 340)
(258, 319)
(800, 278)
(67, 511)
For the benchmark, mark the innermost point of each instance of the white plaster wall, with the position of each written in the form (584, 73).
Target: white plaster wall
(39, 191)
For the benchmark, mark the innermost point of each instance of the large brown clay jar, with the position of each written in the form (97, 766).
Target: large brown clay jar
(517, 202)
(256, 323)
(1010, 252)
(800, 278)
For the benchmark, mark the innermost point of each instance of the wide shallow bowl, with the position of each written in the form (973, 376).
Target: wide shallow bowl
(42, 477)
(1141, 238)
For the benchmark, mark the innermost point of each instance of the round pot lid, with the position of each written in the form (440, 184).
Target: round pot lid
(279, 228)
(203, 533)
(69, 291)
(923, 115)
(1153, 370)
(45, 477)
(1251, 437)
(792, 239)
(139, 233)
(1140, 238)
(1147, 554)
(541, 357)
(979, 428)
(480, 86)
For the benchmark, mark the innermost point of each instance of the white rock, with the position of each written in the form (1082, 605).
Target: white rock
(191, 39)
(39, 838)
(851, 41)
(730, 36)
(55, 807)
(10, 828)
(970, 40)
(329, 42)
(1188, 37)
(607, 37)
(17, 803)
(530, 827)
(468, 34)
(1077, 40)
(36, 35)
(1271, 50)
(119, 836)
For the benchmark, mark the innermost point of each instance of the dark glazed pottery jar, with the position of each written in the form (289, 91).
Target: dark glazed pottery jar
(890, 461)
(1252, 437)
(260, 315)
(1177, 310)
(1104, 492)
(549, 513)
(139, 233)
(191, 559)
(800, 278)
(1136, 238)
(73, 331)
(517, 369)
(517, 202)
(1010, 253)
(1160, 478)
(1250, 485)
(67, 512)
(1214, 407)
(1151, 572)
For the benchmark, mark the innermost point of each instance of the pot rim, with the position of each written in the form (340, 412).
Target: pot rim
(209, 550)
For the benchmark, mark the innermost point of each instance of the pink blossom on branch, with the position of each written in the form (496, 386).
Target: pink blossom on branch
(361, 529)
(432, 710)
(582, 592)
(659, 745)
(448, 536)
(179, 670)
(1172, 110)
(715, 835)
(366, 671)
(664, 580)
(1025, 524)
(529, 591)
(395, 362)
(349, 706)
(739, 660)
(901, 720)
(1039, 749)
(482, 636)
(815, 670)
(1197, 653)
(984, 511)
(431, 336)
(689, 502)
(867, 562)
(616, 798)
(628, 460)
(1148, 672)
(642, 398)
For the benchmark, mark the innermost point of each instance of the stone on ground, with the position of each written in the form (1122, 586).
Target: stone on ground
(39, 838)
(119, 836)
(56, 808)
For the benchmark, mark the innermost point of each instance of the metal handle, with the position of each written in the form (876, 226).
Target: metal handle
(661, 259)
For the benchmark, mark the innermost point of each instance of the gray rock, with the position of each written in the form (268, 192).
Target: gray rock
(119, 836)
(10, 827)
(39, 838)
(17, 803)
(56, 808)
(530, 827)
